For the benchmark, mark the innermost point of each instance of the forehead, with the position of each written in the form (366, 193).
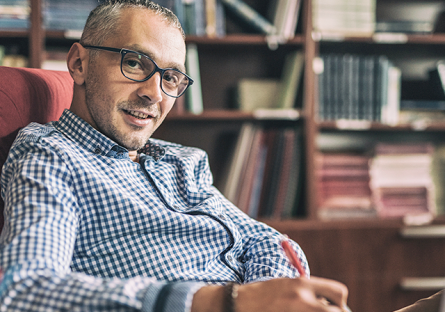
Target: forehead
(151, 34)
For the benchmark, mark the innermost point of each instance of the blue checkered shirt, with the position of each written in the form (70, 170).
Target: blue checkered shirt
(88, 229)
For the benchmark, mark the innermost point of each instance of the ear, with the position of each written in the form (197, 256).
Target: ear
(77, 62)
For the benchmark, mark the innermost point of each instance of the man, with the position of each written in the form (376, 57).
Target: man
(100, 218)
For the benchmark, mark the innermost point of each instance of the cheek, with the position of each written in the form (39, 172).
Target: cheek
(168, 104)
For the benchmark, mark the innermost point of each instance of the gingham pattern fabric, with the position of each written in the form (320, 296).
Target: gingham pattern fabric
(87, 229)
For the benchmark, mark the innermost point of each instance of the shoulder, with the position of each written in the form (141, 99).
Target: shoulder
(29, 136)
(39, 140)
(33, 133)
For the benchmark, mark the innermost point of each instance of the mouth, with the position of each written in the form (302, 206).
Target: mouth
(138, 114)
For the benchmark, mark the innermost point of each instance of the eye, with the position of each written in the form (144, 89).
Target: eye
(173, 77)
(133, 62)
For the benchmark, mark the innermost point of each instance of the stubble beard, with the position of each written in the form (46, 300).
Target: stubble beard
(105, 116)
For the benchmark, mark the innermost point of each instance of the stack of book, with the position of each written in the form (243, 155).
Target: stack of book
(358, 87)
(401, 179)
(343, 184)
(14, 14)
(344, 17)
(264, 178)
(66, 15)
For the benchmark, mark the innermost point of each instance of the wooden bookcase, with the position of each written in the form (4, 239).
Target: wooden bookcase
(351, 251)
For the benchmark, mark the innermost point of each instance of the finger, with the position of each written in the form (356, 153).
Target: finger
(335, 292)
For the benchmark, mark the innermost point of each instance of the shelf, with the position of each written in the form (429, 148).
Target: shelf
(375, 126)
(232, 39)
(384, 38)
(14, 33)
(227, 115)
(239, 39)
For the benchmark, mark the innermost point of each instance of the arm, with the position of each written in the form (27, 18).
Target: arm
(42, 217)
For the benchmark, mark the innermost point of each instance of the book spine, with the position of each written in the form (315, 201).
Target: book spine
(210, 9)
(194, 94)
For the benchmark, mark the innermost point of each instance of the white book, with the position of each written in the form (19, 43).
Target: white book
(194, 92)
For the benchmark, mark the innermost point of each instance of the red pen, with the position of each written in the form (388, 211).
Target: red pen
(296, 263)
(293, 257)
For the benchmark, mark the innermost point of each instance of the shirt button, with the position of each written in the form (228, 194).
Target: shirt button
(229, 258)
(97, 150)
(222, 217)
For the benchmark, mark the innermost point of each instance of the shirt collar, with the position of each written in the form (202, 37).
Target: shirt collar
(82, 132)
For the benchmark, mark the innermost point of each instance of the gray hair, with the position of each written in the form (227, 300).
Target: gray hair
(103, 20)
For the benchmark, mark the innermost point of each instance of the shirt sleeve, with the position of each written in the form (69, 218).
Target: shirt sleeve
(36, 246)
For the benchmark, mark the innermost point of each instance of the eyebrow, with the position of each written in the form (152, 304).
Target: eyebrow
(139, 49)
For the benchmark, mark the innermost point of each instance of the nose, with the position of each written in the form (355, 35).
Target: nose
(151, 89)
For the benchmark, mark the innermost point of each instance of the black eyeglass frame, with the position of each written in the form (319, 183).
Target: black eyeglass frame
(157, 68)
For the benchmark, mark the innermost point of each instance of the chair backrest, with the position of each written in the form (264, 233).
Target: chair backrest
(28, 95)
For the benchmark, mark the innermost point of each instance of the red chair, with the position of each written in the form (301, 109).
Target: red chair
(28, 95)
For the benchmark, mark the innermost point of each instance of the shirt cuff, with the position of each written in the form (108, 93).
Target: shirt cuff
(170, 297)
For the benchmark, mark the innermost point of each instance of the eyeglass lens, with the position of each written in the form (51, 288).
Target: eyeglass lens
(138, 67)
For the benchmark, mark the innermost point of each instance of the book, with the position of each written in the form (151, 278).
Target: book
(253, 94)
(194, 17)
(345, 17)
(437, 80)
(257, 179)
(438, 175)
(210, 13)
(284, 176)
(247, 180)
(421, 105)
(251, 16)
(215, 18)
(2, 53)
(390, 109)
(220, 19)
(66, 15)
(285, 19)
(401, 180)
(293, 201)
(382, 66)
(194, 92)
(238, 158)
(272, 142)
(359, 87)
(419, 27)
(343, 183)
(290, 79)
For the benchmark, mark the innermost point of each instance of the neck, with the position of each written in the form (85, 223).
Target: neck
(134, 156)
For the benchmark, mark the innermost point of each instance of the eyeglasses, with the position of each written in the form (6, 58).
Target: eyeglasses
(139, 67)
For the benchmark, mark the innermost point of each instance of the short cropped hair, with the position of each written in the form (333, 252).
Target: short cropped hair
(104, 19)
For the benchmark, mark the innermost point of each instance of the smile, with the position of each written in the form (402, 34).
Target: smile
(137, 114)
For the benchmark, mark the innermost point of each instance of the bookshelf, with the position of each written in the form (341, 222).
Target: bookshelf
(244, 53)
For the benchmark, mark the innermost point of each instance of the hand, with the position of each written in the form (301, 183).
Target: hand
(283, 294)
(288, 295)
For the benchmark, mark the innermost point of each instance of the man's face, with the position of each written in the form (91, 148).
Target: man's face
(126, 111)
